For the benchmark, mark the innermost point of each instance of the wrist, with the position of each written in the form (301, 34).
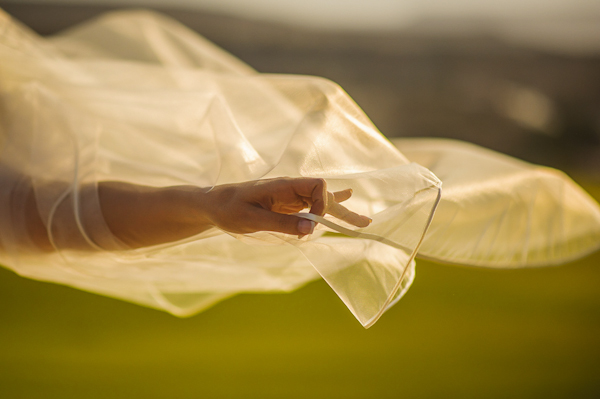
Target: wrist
(191, 206)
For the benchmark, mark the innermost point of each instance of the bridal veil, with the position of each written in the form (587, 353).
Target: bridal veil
(136, 97)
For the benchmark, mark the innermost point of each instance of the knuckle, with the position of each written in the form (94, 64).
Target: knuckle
(319, 185)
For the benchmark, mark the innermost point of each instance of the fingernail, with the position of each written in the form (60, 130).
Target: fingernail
(305, 226)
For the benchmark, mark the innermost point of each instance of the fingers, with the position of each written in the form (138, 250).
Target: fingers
(316, 190)
(343, 195)
(285, 192)
(319, 198)
(322, 201)
(265, 220)
(343, 213)
(290, 195)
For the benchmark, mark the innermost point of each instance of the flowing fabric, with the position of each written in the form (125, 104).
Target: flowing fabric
(138, 98)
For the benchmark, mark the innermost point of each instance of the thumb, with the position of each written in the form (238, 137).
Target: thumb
(279, 222)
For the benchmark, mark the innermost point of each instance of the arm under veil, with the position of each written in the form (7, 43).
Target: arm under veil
(135, 98)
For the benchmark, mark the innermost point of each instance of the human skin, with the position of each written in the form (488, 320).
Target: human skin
(140, 216)
(183, 211)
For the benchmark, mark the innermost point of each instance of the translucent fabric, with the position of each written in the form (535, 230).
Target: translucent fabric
(136, 97)
(508, 213)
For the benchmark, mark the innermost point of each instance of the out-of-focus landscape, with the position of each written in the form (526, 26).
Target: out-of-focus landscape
(459, 332)
(528, 101)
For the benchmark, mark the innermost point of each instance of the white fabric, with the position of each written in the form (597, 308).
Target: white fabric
(135, 97)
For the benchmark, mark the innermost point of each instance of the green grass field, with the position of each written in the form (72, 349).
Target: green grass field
(458, 333)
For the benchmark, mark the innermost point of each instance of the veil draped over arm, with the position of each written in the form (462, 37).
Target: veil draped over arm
(137, 98)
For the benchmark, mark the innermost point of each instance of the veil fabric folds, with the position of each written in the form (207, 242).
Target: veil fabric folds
(136, 97)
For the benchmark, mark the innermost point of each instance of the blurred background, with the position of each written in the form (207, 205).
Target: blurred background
(521, 77)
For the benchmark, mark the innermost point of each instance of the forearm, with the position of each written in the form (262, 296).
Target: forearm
(117, 215)
(141, 216)
(137, 216)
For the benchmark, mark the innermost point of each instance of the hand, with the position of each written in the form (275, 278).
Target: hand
(266, 205)
(141, 216)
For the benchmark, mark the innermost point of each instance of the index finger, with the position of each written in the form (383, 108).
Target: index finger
(345, 214)
(315, 189)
